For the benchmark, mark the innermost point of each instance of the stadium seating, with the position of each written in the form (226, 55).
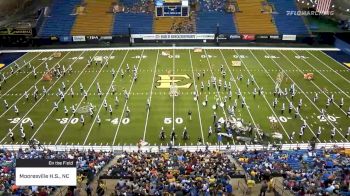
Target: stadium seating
(211, 14)
(96, 20)
(251, 20)
(305, 171)
(167, 24)
(61, 10)
(207, 21)
(176, 171)
(139, 23)
(288, 24)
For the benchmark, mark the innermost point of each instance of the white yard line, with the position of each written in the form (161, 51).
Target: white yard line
(150, 96)
(82, 99)
(169, 47)
(65, 93)
(29, 88)
(20, 68)
(38, 101)
(126, 102)
(314, 83)
(196, 89)
(286, 98)
(173, 96)
(303, 91)
(109, 89)
(336, 86)
(30, 73)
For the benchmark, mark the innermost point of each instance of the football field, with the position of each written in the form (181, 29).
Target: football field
(253, 74)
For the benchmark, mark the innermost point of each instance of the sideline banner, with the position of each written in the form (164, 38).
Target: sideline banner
(248, 37)
(289, 37)
(173, 36)
(79, 39)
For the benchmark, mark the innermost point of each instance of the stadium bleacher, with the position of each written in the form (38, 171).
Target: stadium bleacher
(252, 20)
(174, 172)
(320, 171)
(139, 23)
(96, 19)
(61, 10)
(211, 14)
(173, 25)
(207, 22)
(288, 24)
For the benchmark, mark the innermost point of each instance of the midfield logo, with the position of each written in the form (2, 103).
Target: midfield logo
(166, 81)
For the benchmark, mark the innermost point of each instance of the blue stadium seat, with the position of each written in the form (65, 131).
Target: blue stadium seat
(61, 10)
(139, 22)
(288, 24)
(206, 22)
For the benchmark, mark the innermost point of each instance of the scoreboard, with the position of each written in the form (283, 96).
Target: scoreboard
(171, 8)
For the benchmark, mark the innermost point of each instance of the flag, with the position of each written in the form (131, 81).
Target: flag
(323, 6)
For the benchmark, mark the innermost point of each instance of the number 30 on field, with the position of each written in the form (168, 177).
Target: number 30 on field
(178, 120)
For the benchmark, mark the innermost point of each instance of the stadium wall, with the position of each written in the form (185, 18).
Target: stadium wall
(155, 148)
(169, 39)
(342, 45)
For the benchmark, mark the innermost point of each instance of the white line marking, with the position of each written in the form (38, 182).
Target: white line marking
(150, 97)
(173, 96)
(196, 89)
(172, 47)
(125, 104)
(110, 87)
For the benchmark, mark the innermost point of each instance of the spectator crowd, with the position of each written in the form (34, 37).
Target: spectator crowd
(179, 172)
(175, 172)
(304, 172)
(182, 27)
(212, 5)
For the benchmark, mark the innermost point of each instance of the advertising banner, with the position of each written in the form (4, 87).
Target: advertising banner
(289, 37)
(174, 36)
(79, 39)
(248, 37)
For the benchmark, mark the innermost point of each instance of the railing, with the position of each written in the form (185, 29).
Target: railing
(279, 188)
(163, 147)
(242, 187)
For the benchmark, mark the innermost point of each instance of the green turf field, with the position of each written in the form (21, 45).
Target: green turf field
(54, 127)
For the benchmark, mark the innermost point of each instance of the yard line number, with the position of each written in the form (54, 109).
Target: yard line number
(17, 120)
(168, 121)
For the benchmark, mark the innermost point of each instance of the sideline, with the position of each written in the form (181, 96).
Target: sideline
(171, 47)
